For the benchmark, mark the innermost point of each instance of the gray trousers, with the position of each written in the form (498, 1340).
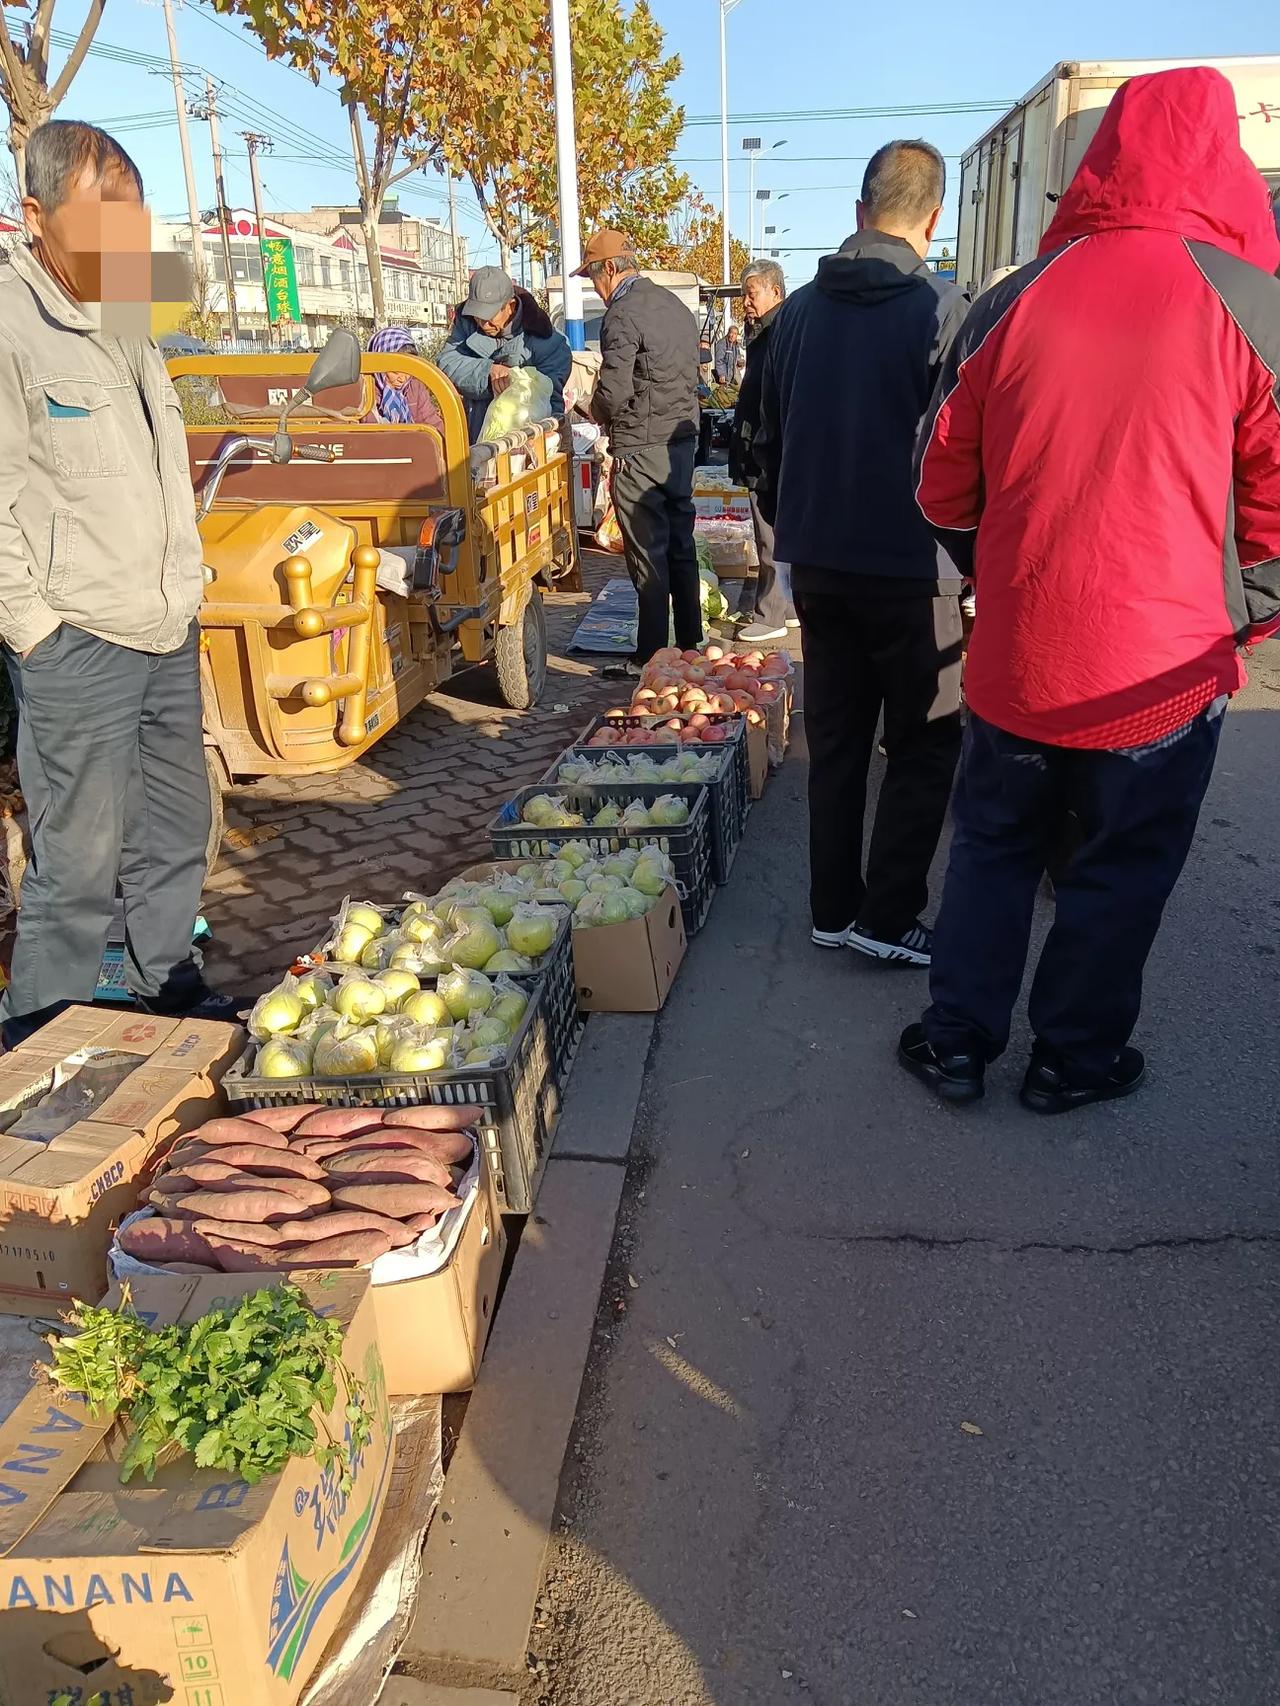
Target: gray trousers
(111, 761)
(653, 500)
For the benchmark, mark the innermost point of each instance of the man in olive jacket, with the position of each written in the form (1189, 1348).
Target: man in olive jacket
(101, 575)
(647, 399)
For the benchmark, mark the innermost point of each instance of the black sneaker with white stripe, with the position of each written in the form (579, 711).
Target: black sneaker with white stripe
(913, 948)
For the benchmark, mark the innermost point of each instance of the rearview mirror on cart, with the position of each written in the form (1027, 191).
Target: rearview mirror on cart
(338, 364)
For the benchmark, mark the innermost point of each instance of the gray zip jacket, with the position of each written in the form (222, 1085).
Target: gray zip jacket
(97, 517)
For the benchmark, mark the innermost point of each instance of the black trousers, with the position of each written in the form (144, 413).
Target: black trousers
(653, 499)
(771, 602)
(867, 651)
(1136, 810)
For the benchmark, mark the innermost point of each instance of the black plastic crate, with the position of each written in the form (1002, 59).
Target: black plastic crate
(689, 844)
(734, 721)
(728, 794)
(521, 1099)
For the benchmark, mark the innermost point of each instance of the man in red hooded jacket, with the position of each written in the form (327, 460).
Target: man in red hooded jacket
(1103, 456)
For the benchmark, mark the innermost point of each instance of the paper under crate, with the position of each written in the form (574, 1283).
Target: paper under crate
(629, 968)
(196, 1589)
(60, 1201)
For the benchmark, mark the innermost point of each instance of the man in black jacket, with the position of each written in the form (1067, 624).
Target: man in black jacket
(851, 365)
(647, 399)
(764, 289)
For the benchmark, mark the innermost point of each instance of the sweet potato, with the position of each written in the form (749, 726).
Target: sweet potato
(260, 1205)
(340, 1122)
(339, 1221)
(256, 1158)
(348, 1250)
(306, 1191)
(447, 1146)
(242, 1231)
(200, 1173)
(420, 1223)
(399, 1201)
(218, 1132)
(282, 1119)
(233, 1257)
(389, 1167)
(159, 1240)
(434, 1119)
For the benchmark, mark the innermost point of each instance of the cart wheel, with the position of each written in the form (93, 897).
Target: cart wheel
(520, 657)
(218, 780)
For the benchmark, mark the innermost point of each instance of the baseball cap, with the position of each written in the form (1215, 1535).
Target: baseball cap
(491, 290)
(604, 246)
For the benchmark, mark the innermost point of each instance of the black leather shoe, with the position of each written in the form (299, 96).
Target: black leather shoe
(953, 1077)
(1048, 1090)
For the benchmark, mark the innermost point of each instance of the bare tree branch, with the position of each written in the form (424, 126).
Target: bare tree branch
(15, 75)
(76, 57)
(38, 53)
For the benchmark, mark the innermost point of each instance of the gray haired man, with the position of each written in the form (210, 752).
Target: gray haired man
(764, 289)
(100, 580)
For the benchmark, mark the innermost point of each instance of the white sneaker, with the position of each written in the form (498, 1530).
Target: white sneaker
(832, 938)
(793, 621)
(761, 631)
(913, 948)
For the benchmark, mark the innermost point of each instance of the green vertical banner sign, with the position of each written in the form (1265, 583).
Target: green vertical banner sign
(280, 280)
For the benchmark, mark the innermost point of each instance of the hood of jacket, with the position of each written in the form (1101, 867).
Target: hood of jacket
(1167, 157)
(871, 267)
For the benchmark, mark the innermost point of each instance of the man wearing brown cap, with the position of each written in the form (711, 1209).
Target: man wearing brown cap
(647, 399)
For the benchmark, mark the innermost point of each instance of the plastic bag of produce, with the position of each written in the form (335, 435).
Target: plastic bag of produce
(533, 929)
(713, 601)
(474, 943)
(280, 1011)
(526, 400)
(464, 991)
(356, 925)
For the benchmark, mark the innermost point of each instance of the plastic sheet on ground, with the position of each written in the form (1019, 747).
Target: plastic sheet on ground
(610, 625)
(364, 1647)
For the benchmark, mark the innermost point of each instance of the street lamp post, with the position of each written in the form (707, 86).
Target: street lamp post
(567, 176)
(751, 147)
(726, 6)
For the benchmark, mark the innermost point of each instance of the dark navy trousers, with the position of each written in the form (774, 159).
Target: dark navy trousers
(1136, 810)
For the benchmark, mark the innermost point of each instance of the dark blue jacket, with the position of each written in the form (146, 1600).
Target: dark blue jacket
(851, 365)
(530, 341)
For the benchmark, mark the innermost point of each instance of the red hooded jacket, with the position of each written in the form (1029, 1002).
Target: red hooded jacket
(1103, 450)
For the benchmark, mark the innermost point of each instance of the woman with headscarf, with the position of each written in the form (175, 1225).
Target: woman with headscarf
(400, 399)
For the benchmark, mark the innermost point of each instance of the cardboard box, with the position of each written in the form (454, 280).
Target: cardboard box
(61, 1201)
(197, 1588)
(433, 1330)
(629, 968)
(757, 761)
(732, 504)
(620, 968)
(432, 1325)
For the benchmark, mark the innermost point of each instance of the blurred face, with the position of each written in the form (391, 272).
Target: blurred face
(759, 295)
(497, 326)
(397, 381)
(97, 243)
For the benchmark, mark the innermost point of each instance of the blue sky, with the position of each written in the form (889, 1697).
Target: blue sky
(785, 55)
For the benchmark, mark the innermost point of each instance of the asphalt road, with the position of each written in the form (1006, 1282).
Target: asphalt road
(779, 1490)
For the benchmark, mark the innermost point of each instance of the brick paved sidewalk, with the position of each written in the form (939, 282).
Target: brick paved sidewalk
(409, 814)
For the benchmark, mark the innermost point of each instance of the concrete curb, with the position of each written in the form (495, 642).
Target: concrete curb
(483, 1564)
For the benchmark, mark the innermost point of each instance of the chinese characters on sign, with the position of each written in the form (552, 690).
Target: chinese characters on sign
(280, 279)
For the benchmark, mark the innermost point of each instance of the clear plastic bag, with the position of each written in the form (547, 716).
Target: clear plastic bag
(526, 400)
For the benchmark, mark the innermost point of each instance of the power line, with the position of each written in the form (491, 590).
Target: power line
(828, 114)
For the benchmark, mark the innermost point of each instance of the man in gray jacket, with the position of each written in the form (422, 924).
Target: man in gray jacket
(498, 329)
(101, 576)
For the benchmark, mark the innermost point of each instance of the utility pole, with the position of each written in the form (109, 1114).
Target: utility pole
(455, 271)
(209, 113)
(567, 176)
(726, 6)
(188, 168)
(257, 144)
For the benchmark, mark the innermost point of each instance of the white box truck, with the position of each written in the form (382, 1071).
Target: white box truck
(1011, 178)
